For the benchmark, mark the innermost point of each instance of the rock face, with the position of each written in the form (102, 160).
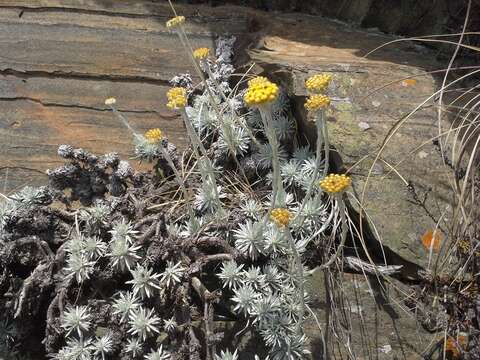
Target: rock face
(404, 17)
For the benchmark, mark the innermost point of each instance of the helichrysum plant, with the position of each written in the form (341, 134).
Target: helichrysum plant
(228, 221)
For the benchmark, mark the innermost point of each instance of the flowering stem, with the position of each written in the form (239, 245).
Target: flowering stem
(298, 264)
(124, 120)
(327, 147)
(186, 44)
(267, 120)
(343, 222)
(319, 124)
(178, 177)
(199, 148)
(211, 77)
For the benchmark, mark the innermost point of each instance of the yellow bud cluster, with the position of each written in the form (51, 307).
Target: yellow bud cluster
(281, 216)
(260, 91)
(201, 53)
(335, 183)
(153, 135)
(317, 102)
(177, 98)
(176, 21)
(318, 83)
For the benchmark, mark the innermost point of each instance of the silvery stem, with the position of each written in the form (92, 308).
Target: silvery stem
(327, 148)
(318, 154)
(267, 120)
(299, 267)
(197, 144)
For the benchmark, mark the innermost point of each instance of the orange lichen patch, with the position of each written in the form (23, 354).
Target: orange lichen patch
(454, 346)
(409, 82)
(432, 239)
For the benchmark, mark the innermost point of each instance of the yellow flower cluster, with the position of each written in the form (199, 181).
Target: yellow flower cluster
(260, 91)
(281, 216)
(318, 83)
(317, 102)
(110, 101)
(176, 21)
(153, 135)
(335, 183)
(201, 53)
(177, 98)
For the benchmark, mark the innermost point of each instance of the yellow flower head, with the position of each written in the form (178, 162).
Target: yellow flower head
(201, 53)
(281, 216)
(260, 91)
(318, 83)
(177, 98)
(317, 102)
(335, 183)
(176, 21)
(153, 135)
(110, 101)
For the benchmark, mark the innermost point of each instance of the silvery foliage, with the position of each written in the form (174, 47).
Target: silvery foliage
(7, 207)
(268, 296)
(123, 252)
(159, 354)
(78, 349)
(301, 154)
(231, 275)
(313, 215)
(289, 171)
(226, 355)
(283, 123)
(145, 150)
(126, 303)
(203, 118)
(235, 135)
(205, 198)
(144, 282)
(251, 208)
(250, 238)
(102, 346)
(76, 319)
(95, 217)
(81, 256)
(283, 199)
(143, 323)
(30, 196)
(170, 325)
(26, 198)
(134, 346)
(264, 156)
(172, 274)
